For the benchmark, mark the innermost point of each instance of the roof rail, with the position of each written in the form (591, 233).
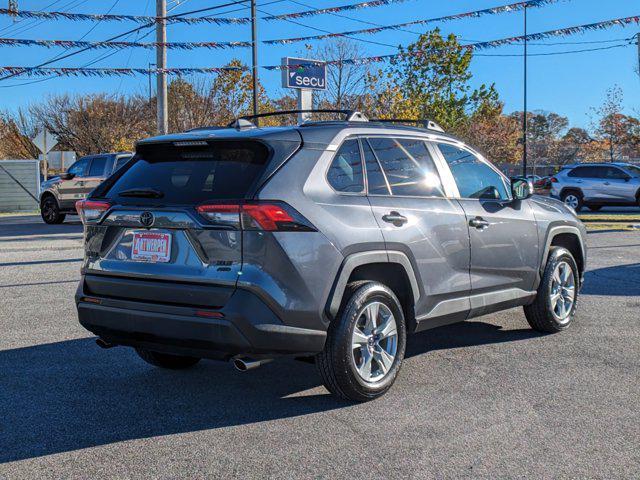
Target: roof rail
(350, 116)
(424, 123)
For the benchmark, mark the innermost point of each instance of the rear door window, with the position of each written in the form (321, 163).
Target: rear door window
(587, 172)
(345, 173)
(97, 166)
(408, 166)
(190, 175)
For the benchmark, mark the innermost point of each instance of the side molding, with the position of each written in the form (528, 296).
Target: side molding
(363, 258)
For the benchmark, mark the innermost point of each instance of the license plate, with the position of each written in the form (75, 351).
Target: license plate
(151, 247)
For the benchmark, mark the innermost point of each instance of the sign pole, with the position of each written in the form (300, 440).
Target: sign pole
(305, 102)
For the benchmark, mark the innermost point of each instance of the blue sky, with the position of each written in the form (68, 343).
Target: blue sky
(567, 84)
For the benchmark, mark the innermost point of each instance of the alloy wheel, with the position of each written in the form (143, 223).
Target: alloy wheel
(374, 342)
(563, 292)
(572, 201)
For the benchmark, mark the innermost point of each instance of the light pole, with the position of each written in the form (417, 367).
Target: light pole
(524, 116)
(161, 64)
(254, 56)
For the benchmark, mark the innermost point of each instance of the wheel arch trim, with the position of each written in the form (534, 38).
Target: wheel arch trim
(355, 260)
(554, 232)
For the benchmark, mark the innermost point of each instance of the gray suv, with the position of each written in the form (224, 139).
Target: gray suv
(597, 184)
(326, 241)
(59, 194)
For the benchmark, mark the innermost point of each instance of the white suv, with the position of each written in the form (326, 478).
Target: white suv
(595, 185)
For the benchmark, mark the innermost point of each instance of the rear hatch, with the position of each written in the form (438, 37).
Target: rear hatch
(168, 227)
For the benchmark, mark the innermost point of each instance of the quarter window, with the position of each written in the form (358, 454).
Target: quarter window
(474, 178)
(345, 172)
(409, 169)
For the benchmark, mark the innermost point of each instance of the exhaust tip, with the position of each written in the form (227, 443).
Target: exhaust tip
(244, 364)
(240, 365)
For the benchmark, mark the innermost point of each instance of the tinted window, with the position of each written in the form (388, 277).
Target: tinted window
(191, 175)
(376, 181)
(632, 170)
(615, 173)
(345, 172)
(408, 167)
(79, 168)
(97, 166)
(587, 172)
(474, 178)
(120, 162)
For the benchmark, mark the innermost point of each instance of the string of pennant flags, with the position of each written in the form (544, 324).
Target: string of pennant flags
(223, 45)
(104, 72)
(31, 14)
(56, 15)
(513, 7)
(14, 42)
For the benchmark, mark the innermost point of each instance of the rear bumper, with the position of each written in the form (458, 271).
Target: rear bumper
(247, 326)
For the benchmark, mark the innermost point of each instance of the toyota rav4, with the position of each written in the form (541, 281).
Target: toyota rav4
(328, 241)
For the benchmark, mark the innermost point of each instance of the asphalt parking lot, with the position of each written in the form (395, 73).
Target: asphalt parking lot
(487, 398)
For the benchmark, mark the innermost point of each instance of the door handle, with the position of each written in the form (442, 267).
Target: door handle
(395, 218)
(607, 183)
(479, 223)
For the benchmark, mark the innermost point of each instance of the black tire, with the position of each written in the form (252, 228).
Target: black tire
(50, 211)
(577, 194)
(595, 208)
(336, 363)
(165, 360)
(540, 313)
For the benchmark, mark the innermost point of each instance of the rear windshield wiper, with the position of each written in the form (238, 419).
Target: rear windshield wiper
(141, 193)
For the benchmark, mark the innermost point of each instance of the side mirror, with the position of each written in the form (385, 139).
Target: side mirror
(521, 188)
(67, 176)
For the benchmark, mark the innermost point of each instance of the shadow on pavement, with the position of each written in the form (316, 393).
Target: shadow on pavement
(70, 395)
(35, 226)
(621, 280)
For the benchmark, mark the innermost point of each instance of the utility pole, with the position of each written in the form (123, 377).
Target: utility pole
(638, 43)
(254, 56)
(161, 64)
(524, 116)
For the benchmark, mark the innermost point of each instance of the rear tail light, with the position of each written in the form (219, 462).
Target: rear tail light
(91, 210)
(268, 216)
(553, 180)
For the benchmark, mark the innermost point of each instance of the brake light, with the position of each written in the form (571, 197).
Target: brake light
(554, 180)
(269, 216)
(91, 210)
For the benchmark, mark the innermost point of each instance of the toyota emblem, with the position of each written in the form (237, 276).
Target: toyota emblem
(146, 219)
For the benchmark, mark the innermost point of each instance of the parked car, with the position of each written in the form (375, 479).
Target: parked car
(595, 185)
(328, 241)
(59, 194)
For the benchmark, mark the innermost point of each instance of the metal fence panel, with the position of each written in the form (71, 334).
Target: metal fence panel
(19, 185)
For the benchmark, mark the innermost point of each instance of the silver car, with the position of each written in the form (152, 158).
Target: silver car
(327, 241)
(595, 185)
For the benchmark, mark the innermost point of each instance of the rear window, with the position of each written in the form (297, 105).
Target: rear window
(190, 175)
